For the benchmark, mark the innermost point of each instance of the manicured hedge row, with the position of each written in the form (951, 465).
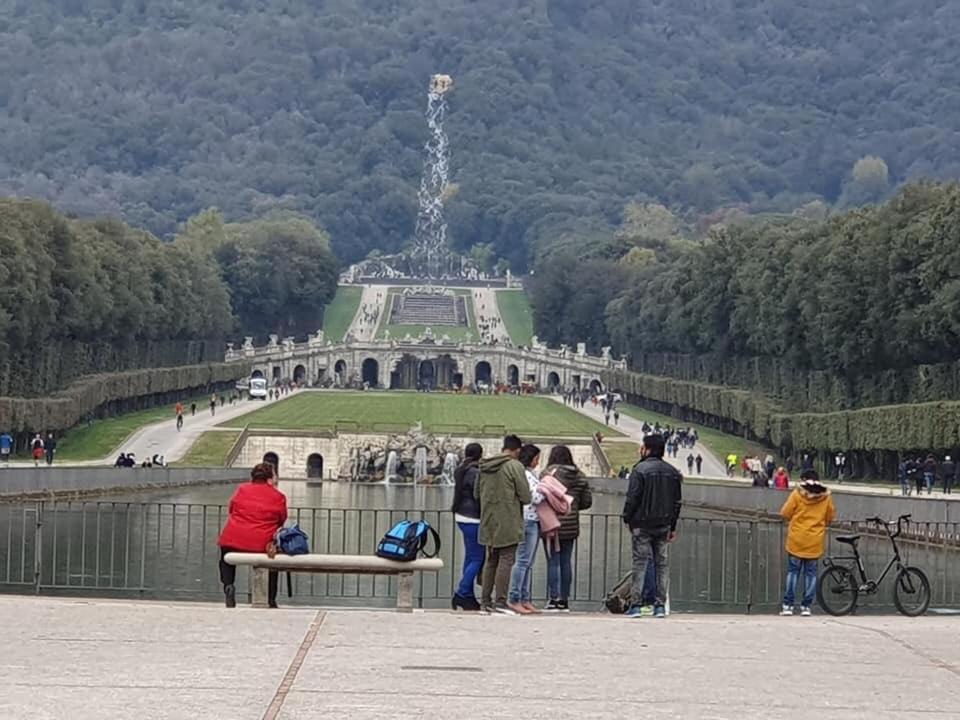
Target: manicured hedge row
(913, 427)
(65, 409)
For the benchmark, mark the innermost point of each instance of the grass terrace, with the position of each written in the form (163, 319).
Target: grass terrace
(340, 312)
(455, 333)
(517, 315)
(210, 449)
(439, 412)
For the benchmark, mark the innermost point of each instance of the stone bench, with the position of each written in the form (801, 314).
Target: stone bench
(349, 564)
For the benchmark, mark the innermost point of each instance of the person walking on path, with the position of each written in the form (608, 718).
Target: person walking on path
(50, 447)
(179, 411)
(560, 465)
(905, 488)
(520, 597)
(690, 461)
(6, 448)
(36, 449)
(929, 473)
(466, 513)
(502, 490)
(256, 511)
(809, 510)
(651, 511)
(193, 409)
(948, 470)
(699, 461)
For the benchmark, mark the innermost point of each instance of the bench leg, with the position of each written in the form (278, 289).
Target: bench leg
(405, 592)
(260, 576)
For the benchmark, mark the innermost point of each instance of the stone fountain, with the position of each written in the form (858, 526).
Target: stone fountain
(416, 456)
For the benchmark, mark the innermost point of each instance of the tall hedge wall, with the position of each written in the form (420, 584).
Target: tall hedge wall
(65, 409)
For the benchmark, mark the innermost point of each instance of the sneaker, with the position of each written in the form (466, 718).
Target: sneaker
(634, 612)
(786, 611)
(518, 608)
(646, 610)
(230, 596)
(486, 609)
(564, 606)
(805, 612)
(503, 609)
(553, 606)
(530, 608)
(659, 611)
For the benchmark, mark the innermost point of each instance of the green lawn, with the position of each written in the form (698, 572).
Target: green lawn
(104, 436)
(720, 444)
(517, 316)
(621, 453)
(210, 449)
(340, 312)
(439, 412)
(455, 333)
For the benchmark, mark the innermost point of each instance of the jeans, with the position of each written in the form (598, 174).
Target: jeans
(472, 559)
(521, 579)
(228, 576)
(560, 570)
(928, 479)
(650, 547)
(794, 567)
(905, 488)
(496, 572)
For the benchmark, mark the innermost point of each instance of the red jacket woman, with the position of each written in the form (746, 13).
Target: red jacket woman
(781, 480)
(257, 510)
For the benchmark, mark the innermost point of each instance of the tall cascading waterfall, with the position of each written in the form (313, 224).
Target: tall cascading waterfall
(449, 466)
(390, 474)
(420, 465)
(430, 241)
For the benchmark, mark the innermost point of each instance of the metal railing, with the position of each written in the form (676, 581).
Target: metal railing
(165, 550)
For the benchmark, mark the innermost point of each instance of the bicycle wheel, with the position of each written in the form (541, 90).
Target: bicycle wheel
(837, 591)
(911, 591)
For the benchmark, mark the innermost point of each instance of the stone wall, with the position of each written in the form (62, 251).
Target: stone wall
(47, 482)
(293, 450)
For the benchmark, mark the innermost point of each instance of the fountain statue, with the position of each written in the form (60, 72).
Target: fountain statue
(390, 473)
(450, 463)
(420, 466)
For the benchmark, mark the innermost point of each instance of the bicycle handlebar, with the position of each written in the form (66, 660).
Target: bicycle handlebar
(887, 523)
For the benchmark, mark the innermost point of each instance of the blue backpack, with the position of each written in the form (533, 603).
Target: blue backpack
(407, 539)
(292, 541)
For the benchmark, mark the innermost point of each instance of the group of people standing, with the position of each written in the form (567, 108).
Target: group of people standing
(505, 509)
(918, 473)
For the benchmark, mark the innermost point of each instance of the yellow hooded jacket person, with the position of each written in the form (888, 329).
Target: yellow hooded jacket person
(809, 510)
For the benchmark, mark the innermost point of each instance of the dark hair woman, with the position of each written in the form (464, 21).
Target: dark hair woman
(257, 510)
(560, 562)
(466, 511)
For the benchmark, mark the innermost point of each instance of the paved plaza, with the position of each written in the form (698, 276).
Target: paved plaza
(83, 659)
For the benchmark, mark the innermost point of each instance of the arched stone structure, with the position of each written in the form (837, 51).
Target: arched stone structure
(277, 373)
(257, 373)
(553, 381)
(370, 372)
(315, 466)
(299, 374)
(483, 373)
(596, 386)
(513, 375)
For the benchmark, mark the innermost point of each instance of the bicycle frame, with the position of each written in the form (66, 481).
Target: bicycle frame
(867, 585)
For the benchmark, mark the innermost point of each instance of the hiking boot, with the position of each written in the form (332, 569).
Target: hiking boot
(635, 611)
(503, 609)
(786, 611)
(230, 596)
(553, 606)
(659, 611)
(805, 612)
(518, 608)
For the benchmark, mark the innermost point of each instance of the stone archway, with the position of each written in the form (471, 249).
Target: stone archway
(340, 372)
(315, 466)
(483, 373)
(553, 381)
(299, 374)
(273, 459)
(370, 372)
(277, 372)
(596, 387)
(426, 375)
(513, 375)
(257, 374)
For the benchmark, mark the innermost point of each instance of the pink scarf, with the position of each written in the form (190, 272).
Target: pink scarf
(556, 504)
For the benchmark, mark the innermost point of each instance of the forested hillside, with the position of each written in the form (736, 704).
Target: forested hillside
(563, 111)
